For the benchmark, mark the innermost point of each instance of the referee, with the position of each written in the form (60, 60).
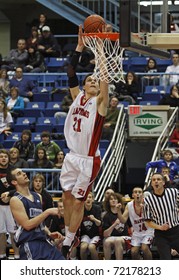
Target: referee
(161, 213)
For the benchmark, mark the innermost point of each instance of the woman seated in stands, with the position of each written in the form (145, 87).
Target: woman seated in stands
(171, 99)
(128, 91)
(41, 160)
(34, 38)
(149, 80)
(115, 233)
(15, 103)
(6, 120)
(59, 158)
(35, 63)
(4, 83)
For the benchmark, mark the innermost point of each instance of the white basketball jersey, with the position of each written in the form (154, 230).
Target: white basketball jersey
(83, 126)
(137, 221)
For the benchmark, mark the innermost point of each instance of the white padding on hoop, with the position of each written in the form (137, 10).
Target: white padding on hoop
(110, 67)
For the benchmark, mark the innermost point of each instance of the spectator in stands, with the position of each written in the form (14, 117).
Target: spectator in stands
(149, 80)
(115, 233)
(50, 146)
(7, 224)
(110, 119)
(25, 146)
(174, 138)
(17, 57)
(4, 84)
(171, 99)
(59, 158)
(173, 69)
(15, 103)
(40, 159)
(142, 236)
(35, 63)
(166, 161)
(26, 86)
(48, 44)
(57, 224)
(65, 105)
(42, 23)
(86, 62)
(90, 230)
(6, 120)
(107, 193)
(33, 39)
(15, 159)
(129, 90)
(38, 186)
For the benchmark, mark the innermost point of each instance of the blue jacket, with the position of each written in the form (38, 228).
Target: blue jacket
(162, 163)
(19, 105)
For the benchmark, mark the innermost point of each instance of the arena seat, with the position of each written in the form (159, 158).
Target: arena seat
(148, 102)
(51, 108)
(24, 123)
(45, 123)
(34, 109)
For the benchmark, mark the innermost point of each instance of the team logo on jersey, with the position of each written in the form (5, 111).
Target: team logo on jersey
(81, 112)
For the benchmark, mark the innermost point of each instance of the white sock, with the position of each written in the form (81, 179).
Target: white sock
(69, 238)
(2, 256)
(16, 257)
(66, 230)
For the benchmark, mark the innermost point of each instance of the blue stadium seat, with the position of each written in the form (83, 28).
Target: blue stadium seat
(58, 96)
(162, 64)
(14, 136)
(148, 102)
(55, 64)
(11, 139)
(45, 123)
(104, 143)
(153, 89)
(24, 123)
(42, 97)
(51, 108)
(126, 64)
(34, 109)
(138, 64)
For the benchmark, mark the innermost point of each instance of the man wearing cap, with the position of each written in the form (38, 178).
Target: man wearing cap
(48, 44)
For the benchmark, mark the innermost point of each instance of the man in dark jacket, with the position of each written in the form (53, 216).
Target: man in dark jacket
(48, 44)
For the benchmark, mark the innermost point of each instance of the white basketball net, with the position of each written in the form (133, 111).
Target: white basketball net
(112, 69)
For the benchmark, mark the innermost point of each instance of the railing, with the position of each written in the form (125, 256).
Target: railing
(113, 158)
(162, 143)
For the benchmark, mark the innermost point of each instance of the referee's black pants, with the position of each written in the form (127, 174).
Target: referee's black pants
(167, 240)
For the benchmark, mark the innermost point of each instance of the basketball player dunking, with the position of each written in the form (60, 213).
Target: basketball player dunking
(83, 127)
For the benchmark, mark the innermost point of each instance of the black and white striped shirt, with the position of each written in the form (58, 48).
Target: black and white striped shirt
(163, 208)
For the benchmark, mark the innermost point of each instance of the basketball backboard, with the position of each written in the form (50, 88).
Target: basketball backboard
(148, 27)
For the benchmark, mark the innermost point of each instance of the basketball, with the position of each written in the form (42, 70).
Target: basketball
(93, 24)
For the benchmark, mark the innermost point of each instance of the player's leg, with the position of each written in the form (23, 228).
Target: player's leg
(135, 252)
(108, 244)
(147, 254)
(119, 245)
(84, 248)
(93, 251)
(3, 243)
